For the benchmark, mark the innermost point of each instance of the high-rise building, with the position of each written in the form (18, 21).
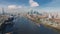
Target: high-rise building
(3, 11)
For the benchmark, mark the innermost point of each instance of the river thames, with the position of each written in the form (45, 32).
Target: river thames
(25, 26)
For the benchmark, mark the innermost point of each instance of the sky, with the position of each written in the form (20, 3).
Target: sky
(46, 5)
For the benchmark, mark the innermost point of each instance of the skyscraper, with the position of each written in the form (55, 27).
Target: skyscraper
(3, 11)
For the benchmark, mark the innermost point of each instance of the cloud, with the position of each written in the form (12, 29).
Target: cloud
(14, 7)
(33, 3)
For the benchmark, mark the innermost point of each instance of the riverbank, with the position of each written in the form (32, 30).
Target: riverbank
(3, 18)
(45, 24)
(33, 19)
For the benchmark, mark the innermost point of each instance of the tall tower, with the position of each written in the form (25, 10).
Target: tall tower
(3, 11)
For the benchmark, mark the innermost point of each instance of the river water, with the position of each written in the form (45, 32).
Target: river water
(25, 26)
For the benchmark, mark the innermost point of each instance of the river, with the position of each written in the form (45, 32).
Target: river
(25, 26)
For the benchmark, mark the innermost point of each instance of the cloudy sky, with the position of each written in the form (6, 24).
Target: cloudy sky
(47, 5)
